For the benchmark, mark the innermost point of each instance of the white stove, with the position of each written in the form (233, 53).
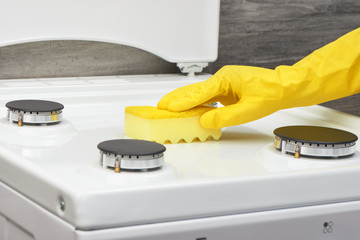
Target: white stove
(56, 169)
(54, 185)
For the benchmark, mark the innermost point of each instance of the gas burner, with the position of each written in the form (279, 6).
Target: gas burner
(34, 112)
(315, 141)
(133, 155)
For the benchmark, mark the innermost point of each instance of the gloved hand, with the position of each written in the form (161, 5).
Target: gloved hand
(250, 93)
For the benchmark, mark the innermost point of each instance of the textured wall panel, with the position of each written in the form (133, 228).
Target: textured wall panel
(77, 58)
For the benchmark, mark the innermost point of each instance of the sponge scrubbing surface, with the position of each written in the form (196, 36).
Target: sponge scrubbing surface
(162, 126)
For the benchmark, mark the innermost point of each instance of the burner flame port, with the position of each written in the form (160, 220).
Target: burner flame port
(131, 155)
(315, 141)
(34, 112)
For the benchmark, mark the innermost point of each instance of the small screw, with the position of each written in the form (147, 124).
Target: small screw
(62, 204)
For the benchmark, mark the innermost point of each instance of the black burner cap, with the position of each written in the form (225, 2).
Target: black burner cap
(34, 106)
(315, 134)
(131, 147)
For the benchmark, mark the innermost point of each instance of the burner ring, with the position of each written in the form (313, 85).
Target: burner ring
(130, 154)
(315, 141)
(34, 112)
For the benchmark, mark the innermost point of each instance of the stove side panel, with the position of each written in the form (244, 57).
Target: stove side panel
(22, 219)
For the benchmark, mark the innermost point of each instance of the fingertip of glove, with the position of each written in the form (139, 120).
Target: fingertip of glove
(210, 120)
(168, 103)
(162, 104)
(175, 107)
(170, 106)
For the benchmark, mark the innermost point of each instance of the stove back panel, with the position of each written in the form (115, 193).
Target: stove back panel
(176, 30)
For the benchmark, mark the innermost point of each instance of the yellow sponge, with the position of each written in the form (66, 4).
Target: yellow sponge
(162, 126)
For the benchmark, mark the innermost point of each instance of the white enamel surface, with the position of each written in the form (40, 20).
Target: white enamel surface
(242, 172)
(155, 26)
(35, 136)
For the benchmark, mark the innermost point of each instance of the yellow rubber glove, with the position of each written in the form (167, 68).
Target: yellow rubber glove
(250, 93)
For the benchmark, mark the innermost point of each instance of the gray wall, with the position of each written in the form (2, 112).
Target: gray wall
(264, 33)
(269, 33)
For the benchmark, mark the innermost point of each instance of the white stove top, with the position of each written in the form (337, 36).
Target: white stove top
(58, 166)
